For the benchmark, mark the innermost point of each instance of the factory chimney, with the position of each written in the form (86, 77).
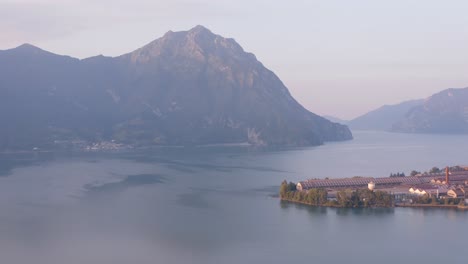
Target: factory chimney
(447, 173)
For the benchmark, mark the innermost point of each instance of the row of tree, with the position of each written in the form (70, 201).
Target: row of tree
(344, 198)
(439, 170)
(433, 170)
(398, 174)
(427, 199)
(317, 197)
(364, 198)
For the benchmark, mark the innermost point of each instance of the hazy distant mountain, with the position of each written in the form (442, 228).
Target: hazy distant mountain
(444, 112)
(190, 87)
(384, 117)
(335, 119)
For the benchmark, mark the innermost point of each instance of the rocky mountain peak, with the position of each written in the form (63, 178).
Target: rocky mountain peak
(198, 43)
(201, 30)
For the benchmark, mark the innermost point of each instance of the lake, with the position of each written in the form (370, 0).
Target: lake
(217, 205)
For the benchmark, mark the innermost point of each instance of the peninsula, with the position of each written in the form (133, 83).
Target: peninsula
(435, 188)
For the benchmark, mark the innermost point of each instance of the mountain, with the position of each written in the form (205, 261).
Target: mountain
(335, 119)
(383, 118)
(445, 112)
(186, 88)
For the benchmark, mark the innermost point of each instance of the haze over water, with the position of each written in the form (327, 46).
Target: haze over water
(216, 205)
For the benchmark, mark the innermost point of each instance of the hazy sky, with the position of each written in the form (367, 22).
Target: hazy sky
(340, 58)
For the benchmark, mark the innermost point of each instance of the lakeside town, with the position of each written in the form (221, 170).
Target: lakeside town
(445, 188)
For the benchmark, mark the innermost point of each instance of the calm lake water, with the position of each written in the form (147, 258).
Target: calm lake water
(216, 205)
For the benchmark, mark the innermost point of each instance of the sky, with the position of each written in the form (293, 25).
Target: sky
(339, 58)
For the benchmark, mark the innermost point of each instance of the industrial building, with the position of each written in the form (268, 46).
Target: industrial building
(451, 184)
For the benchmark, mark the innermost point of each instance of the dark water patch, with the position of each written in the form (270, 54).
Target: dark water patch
(267, 191)
(128, 182)
(205, 160)
(220, 168)
(9, 162)
(228, 168)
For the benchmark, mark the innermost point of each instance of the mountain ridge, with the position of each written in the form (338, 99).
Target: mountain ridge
(188, 87)
(445, 112)
(382, 118)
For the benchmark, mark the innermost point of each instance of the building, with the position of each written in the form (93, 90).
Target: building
(429, 189)
(456, 193)
(437, 184)
(362, 182)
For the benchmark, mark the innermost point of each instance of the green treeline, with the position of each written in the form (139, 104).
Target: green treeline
(287, 189)
(433, 200)
(364, 198)
(436, 170)
(317, 197)
(344, 198)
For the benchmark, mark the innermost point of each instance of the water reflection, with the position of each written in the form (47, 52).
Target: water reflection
(369, 211)
(303, 207)
(339, 211)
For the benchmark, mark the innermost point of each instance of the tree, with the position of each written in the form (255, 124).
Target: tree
(342, 198)
(291, 187)
(414, 173)
(299, 196)
(287, 190)
(398, 174)
(434, 170)
(322, 196)
(424, 199)
(312, 194)
(284, 188)
(317, 196)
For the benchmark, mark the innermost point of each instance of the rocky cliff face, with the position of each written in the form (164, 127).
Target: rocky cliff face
(444, 112)
(190, 87)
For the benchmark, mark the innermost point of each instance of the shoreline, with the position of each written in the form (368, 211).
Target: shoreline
(329, 205)
(439, 206)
